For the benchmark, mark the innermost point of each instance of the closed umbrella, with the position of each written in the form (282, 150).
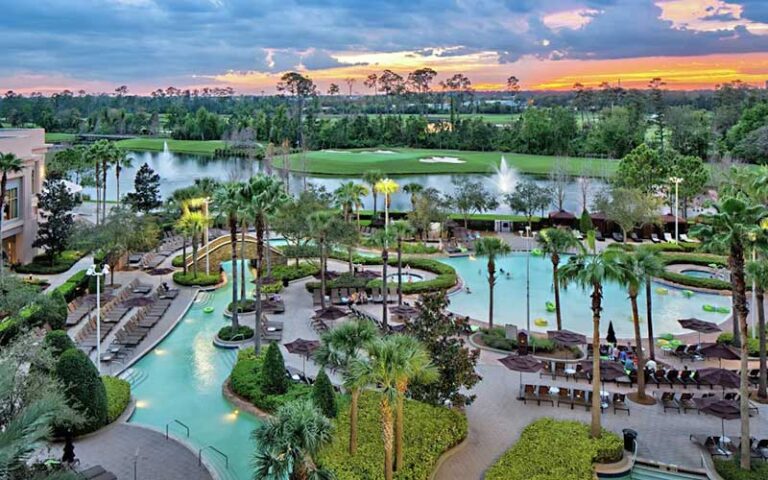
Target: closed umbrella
(520, 364)
(304, 348)
(719, 351)
(699, 326)
(718, 376)
(566, 338)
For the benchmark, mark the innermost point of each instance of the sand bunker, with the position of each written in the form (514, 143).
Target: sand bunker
(335, 151)
(441, 160)
(380, 152)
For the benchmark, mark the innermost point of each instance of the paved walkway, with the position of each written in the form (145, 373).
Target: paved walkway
(123, 447)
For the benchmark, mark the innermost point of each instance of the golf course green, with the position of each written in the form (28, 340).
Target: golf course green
(199, 147)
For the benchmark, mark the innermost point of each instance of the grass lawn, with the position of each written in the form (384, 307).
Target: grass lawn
(53, 137)
(200, 147)
(403, 161)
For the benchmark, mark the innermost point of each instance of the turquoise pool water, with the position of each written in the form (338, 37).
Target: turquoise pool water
(697, 273)
(510, 305)
(181, 379)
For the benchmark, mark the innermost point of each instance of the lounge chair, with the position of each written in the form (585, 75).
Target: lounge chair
(685, 238)
(668, 401)
(687, 403)
(620, 403)
(711, 445)
(529, 393)
(564, 396)
(681, 351)
(673, 377)
(580, 399)
(544, 395)
(686, 378)
(668, 237)
(617, 236)
(599, 236)
(578, 235)
(547, 370)
(762, 447)
(661, 377)
(655, 238)
(635, 238)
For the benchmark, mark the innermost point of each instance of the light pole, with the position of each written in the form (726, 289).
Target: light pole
(207, 246)
(528, 283)
(677, 181)
(93, 272)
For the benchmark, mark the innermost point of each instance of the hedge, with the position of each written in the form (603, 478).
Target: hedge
(229, 334)
(292, 272)
(429, 432)
(496, 338)
(244, 306)
(561, 449)
(731, 470)
(702, 259)
(85, 390)
(201, 280)
(118, 396)
(42, 265)
(696, 282)
(246, 381)
(73, 286)
(58, 342)
(753, 344)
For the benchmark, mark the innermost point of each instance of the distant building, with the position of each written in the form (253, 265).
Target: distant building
(20, 209)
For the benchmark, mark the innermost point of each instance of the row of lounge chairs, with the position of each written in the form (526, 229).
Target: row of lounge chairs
(111, 314)
(388, 328)
(138, 327)
(572, 398)
(271, 331)
(722, 447)
(688, 401)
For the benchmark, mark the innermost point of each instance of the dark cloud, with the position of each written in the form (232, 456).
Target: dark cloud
(755, 10)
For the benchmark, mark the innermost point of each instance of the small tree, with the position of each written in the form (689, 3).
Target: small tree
(273, 371)
(470, 196)
(56, 205)
(146, 196)
(58, 342)
(585, 222)
(85, 390)
(629, 207)
(323, 395)
(528, 198)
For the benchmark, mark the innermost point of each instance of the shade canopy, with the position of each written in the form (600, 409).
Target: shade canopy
(609, 370)
(523, 364)
(700, 326)
(719, 350)
(161, 271)
(669, 218)
(718, 376)
(561, 215)
(723, 409)
(301, 346)
(566, 338)
(330, 313)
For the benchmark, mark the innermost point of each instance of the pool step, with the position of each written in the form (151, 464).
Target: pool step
(642, 472)
(217, 463)
(134, 377)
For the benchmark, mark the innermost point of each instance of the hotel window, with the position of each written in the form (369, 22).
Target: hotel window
(11, 206)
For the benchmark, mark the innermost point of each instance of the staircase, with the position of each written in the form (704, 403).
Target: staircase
(134, 377)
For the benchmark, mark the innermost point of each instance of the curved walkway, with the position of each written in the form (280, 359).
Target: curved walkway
(119, 447)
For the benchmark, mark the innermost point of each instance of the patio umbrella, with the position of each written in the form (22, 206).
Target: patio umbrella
(718, 376)
(722, 409)
(719, 351)
(367, 274)
(330, 313)
(161, 271)
(328, 275)
(138, 301)
(404, 310)
(700, 326)
(520, 364)
(304, 348)
(566, 338)
(609, 370)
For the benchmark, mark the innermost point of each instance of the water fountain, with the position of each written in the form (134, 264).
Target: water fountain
(505, 176)
(166, 155)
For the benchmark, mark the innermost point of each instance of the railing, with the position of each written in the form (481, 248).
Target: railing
(214, 449)
(177, 422)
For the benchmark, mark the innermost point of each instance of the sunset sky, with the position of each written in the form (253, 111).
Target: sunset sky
(96, 45)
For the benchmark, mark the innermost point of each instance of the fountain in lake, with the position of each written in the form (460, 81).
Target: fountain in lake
(505, 176)
(166, 155)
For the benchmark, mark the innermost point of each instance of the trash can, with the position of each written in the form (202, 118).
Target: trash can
(285, 282)
(630, 436)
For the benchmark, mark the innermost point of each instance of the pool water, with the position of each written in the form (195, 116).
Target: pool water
(697, 273)
(181, 379)
(407, 277)
(510, 299)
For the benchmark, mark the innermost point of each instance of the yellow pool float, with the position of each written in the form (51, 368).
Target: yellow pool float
(540, 322)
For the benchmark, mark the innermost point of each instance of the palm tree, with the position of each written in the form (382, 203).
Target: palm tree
(400, 230)
(414, 364)
(9, 163)
(339, 347)
(360, 192)
(288, 443)
(344, 198)
(492, 247)
(372, 177)
(733, 223)
(197, 222)
(228, 202)
(320, 226)
(382, 239)
(758, 271)
(553, 242)
(386, 186)
(633, 272)
(650, 265)
(413, 189)
(121, 160)
(182, 228)
(589, 271)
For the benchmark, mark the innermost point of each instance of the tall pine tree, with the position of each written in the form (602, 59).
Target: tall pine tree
(146, 196)
(56, 204)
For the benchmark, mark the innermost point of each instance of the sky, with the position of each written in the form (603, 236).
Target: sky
(97, 45)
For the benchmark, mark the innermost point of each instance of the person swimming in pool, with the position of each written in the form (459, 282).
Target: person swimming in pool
(466, 289)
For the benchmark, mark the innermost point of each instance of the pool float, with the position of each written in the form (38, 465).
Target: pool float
(722, 310)
(667, 336)
(662, 291)
(550, 307)
(540, 322)
(687, 293)
(708, 308)
(537, 252)
(661, 342)
(675, 343)
(208, 310)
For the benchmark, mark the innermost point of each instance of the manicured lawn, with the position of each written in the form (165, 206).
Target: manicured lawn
(53, 137)
(200, 147)
(404, 161)
(457, 216)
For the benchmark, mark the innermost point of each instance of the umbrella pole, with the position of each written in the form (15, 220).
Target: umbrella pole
(304, 365)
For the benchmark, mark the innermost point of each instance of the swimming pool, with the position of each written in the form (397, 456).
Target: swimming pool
(181, 379)
(669, 304)
(697, 273)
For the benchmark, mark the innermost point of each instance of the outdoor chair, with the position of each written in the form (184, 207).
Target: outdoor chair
(661, 378)
(544, 395)
(559, 370)
(655, 238)
(680, 351)
(634, 237)
(687, 403)
(711, 445)
(618, 237)
(580, 399)
(673, 377)
(529, 393)
(669, 402)
(686, 378)
(564, 396)
(620, 403)
(546, 370)
(599, 236)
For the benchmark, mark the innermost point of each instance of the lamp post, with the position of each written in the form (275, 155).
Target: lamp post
(93, 272)
(207, 246)
(677, 181)
(528, 284)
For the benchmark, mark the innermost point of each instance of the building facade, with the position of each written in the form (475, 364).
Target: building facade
(20, 215)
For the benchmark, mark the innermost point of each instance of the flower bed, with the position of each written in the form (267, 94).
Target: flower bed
(201, 280)
(550, 448)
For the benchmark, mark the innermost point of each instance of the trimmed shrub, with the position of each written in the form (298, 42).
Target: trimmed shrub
(178, 261)
(274, 380)
(118, 396)
(85, 390)
(292, 272)
(731, 470)
(532, 456)
(42, 265)
(201, 280)
(324, 396)
(243, 306)
(753, 344)
(585, 222)
(696, 282)
(58, 342)
(73, 286)
(9, 328)
(229, 334)
(496, 338)
(429, 432)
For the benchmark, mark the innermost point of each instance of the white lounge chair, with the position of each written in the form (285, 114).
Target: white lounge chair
(668, 237)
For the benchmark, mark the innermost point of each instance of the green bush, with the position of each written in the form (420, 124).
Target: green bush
(429, 432)
(324, 396)
(85, 390)
(202, 280)
(495, 338)
(731, 470)
(292, 272)
(42, 265)
(272, 288)
(9, 328)
(273, 379)
(753, 344)
(229, 334)
(178, 261)
(246, 381)
(243, 306)
(58, 342)
(703, 259)
(73, 286)
(696, 282)
(118, 397)
(533, 456)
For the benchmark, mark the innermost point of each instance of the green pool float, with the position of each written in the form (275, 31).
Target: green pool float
(662, 291)
(708, 308)
(687, 293)
(667, 336)
(208, 310)
(550, 307)
(722, 310)
(537, 252)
